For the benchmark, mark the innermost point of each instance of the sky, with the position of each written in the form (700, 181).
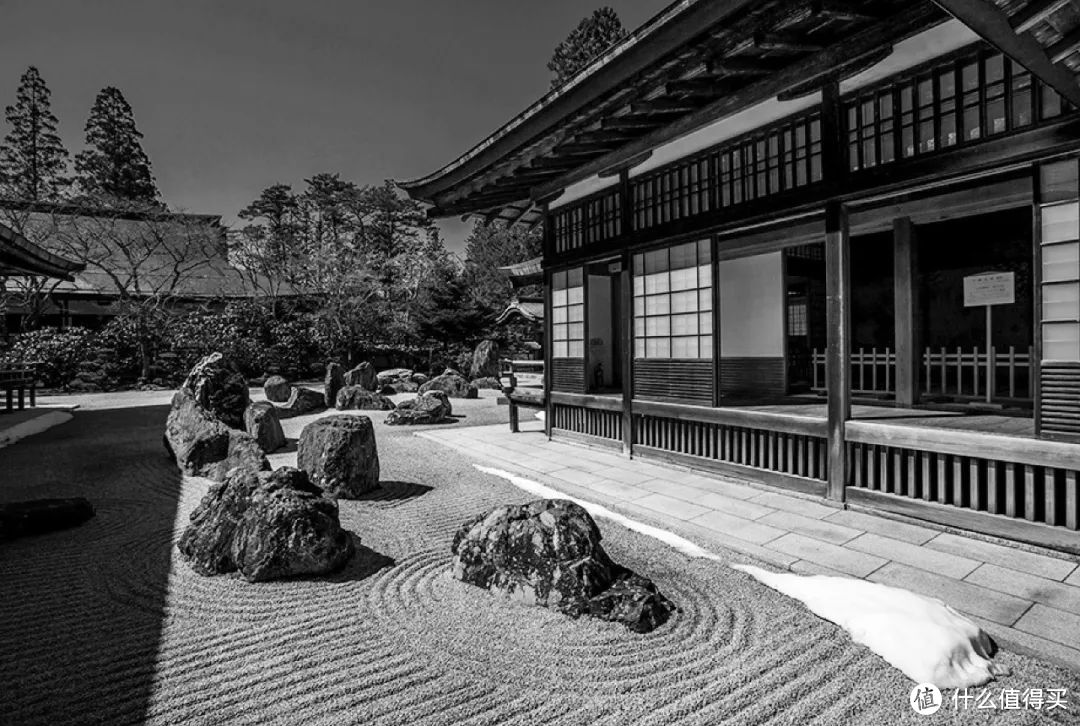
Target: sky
(235, 95)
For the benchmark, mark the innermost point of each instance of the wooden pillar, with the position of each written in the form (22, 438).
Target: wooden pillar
(837, 368)
(626, 307)
(548, 247)
(907, 319)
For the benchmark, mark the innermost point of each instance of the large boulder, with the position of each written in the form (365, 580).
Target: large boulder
(334, 382)
(452, 383)
(362, 375)
(340, 455)
(203, 445)
(548, 553)
(21, 519)
(218, 386)
(441, 396)
(404, 387)
(419, 379)
(488, 384)
(277, 389)
(302, 401)
(426, 408)
(361, 399)
(261, 421)
(266, 525)
(485, 360)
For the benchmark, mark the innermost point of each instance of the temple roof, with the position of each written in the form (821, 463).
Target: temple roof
(700, 61)
(19, 256)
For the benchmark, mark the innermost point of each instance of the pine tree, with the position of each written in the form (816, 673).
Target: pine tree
(114, 168)
(33, 160)
(589, 39)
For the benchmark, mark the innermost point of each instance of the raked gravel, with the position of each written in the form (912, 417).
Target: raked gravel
(105, 624)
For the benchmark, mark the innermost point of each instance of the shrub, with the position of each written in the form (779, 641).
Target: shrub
(58, 352)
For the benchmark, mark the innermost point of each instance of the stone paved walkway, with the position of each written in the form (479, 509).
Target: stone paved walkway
(1028, 599)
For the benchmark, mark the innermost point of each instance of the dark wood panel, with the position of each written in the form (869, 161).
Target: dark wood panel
(568, 374)
(750, 474)
(686, 381)
(751, 377)
(1059, 402)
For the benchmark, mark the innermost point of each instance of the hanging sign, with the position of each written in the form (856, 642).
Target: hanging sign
(990, 288)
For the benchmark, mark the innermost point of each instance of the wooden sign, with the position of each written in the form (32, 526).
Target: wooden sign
(990, 288)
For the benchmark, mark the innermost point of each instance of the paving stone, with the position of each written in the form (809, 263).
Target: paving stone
(618, 490)
(575, 476)
(537, 464)
(885, 527)
(1048, 592)
(711, 539)
(1051, 568)
(727, 488)
(1018, 641)
(941, 563)
(1052, 624)
(736, 507)
(671, 489)
(671, 506)
(811, 527)
(964, 596)
(806, 567)
(797, 505)
(626, 475)
(1074, 578)
(830, 555)
(743, 529)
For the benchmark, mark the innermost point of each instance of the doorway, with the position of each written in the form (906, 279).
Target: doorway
(603, 306)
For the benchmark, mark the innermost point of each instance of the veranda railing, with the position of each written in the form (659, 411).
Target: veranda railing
(958, 372)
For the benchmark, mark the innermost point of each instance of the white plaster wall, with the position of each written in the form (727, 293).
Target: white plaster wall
(752, 306)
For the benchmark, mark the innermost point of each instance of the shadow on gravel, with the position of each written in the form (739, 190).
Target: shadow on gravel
(394, 491)
(365, 563)
(82, 610)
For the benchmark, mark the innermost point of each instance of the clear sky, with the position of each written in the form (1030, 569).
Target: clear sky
(234, 95)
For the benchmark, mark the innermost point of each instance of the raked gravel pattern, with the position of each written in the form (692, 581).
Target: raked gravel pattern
(105, 624)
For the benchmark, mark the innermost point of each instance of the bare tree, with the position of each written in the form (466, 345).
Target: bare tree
(146, 260)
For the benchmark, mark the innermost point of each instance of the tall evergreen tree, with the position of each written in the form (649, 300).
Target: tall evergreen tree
(33, 160)
(590, 38)
(114, 168)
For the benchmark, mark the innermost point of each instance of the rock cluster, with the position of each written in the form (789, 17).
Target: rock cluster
(204, 431)
(340, 455)
(452, 383)
(548, 553)
(361, 399)
(428, 408)
(400, 380)
(266, 525)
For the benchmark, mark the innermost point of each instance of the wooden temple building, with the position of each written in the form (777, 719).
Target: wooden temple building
(827, 245)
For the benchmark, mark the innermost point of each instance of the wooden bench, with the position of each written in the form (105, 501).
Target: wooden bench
(531, 397)
(18, 379)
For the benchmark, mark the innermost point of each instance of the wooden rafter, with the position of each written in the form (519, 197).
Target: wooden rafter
(816, 66)
(739, 67)
(701, 87)
(1065, 47)
(663, 105)
(575, 149)
(610, 136)
(1035, 12)
(841, 10)
(992, 24)
(787, 42)
(630, 123)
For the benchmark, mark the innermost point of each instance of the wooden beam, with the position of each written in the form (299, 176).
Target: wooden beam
(553, 162)
(727, 67)
(788, 42)
(624, 166)
(992, 24)
(841, 10)
(701, 86)
(574, 149)
(850, 68)
(907, 317)
(663, 105)
(838, 350)
(1065, 47)
(630, 123)
(1035, 12)
(605, 137)
(912, 18)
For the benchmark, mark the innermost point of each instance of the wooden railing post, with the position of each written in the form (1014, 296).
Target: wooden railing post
(837, 369)
(906, 315)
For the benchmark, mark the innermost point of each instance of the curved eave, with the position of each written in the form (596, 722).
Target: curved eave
(20, 256)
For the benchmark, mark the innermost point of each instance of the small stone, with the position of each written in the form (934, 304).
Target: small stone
(360, 399)
(277, 389)
(261, 421)
(340, 455)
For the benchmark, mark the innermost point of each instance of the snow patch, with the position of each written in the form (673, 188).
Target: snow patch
(922, 636)
(545, 492)
(541, 415)
(33, 426)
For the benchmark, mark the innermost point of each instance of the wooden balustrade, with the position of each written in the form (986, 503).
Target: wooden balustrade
(958, 372)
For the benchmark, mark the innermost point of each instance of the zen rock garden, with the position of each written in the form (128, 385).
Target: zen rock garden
(270, 524)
